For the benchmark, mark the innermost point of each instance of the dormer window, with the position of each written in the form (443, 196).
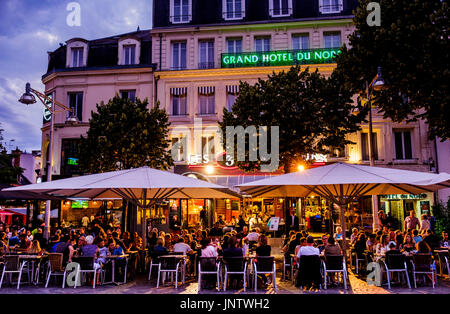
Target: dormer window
(180, 11)
(330, 6)
(77, 51)
(77, 57)
(280, 8)
(233, 9)
(129, 51)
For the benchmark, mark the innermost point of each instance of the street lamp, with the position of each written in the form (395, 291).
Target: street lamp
(377, 84)
(28, 99)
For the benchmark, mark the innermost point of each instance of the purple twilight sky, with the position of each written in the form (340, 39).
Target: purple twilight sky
(30, 28)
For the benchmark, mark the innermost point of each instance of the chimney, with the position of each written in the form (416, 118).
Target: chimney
(16, 157)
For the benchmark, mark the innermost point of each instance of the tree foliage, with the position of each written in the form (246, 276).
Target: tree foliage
(124, 134)
(412, 47)
(9, 174)
(313, 114)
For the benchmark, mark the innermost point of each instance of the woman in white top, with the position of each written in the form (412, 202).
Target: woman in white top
(425, 224)
(208, 250)
(382, 246)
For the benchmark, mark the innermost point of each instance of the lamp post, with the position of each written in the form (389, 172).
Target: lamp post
(376, 84)
(28, 99)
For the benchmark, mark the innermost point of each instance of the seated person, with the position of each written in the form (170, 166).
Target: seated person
(332, 248)
(263, 249)
(445, 241)
(207, 249)
(232, 250)
(182, 247)
(392, 249)
(322, 245)
(308, 249)
(159, 247)
(423, 248)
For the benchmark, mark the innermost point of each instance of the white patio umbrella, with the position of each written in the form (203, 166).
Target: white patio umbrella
(141, 186)
(341, 183)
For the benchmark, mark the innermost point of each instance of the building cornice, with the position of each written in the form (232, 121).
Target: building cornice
(96, 71)
(347, 20)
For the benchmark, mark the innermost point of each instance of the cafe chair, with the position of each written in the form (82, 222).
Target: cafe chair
(443, 263)
(334, 264)
(169, 265)
(55, 267)
(87, 265)
(287, 264)
(12, 265)
(425, 265)
(154, 261)
(265, 265)
(309, 271)
(359, 259)
(208, 266)
(396, 263)
(235, 266)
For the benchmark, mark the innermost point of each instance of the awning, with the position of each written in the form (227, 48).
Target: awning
(233, 89)
(206, 90)
(178, 91)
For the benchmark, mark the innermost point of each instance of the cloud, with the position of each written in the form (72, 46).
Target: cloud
(29, 29)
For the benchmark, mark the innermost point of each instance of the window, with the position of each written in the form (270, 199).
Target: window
(337, 152)
(128, 94)
(278, 8)
(77, 57)
(232, 95)
(206, 55)
(234, 45)
(206, 100)
(208, 147)
(332, 40)
(365, 146)
(69, 157)
(262, 44)
(179, 56)
(233, 9)
(178, 151)
(129, 54)
(403, 147)
(300, 41)
(180, 11)
(330, 6)
(179, 105)
(76, 103)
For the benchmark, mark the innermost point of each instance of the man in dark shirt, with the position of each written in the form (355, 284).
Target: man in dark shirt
(241, 224)
(216, 231)
(432, 240)
(232, 250)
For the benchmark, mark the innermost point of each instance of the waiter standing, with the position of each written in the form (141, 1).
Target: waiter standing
(291, 222)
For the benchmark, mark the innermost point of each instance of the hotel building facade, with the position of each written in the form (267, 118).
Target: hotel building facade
(192, 61)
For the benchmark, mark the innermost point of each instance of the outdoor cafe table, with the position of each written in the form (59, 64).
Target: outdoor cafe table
(113, 259)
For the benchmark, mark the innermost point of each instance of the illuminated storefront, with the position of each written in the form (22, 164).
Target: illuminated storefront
(399, 205)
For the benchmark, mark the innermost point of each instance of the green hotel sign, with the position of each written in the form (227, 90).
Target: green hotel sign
(277, 58)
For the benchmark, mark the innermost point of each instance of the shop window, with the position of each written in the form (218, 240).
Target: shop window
(300, 41)
(233, 9)
(330, 6)
(365, 146)
(279, 8)
(128, 94)
(208, 147)
(76, 103)
(206, 54)
(403, 147)
(70, 157)
(178, 148)
(180, 11)
(332, 40)
(178, 55)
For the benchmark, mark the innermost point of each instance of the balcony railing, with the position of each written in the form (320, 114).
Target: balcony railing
(233, 15)
(331, 8)
(206, 65)
(280, 12)
(186, 18)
